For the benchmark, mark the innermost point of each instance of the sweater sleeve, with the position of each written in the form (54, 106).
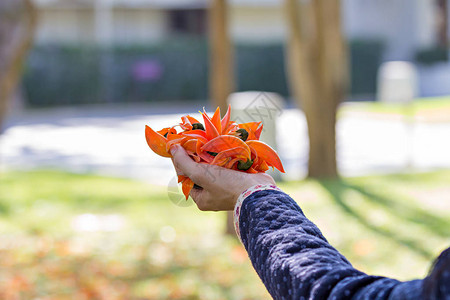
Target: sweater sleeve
(295, 261)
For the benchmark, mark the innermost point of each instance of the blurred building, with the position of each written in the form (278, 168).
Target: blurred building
(405, 26)
(408, 29)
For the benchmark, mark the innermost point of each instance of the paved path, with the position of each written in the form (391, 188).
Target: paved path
(111, 141)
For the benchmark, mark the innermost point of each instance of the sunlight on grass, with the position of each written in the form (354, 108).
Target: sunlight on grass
(162, 251)
(381, 223)
(70, 235)
(435, 109)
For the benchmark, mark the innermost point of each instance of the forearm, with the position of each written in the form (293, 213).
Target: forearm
(294, 259)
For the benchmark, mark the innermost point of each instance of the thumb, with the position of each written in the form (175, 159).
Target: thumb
(182, 161)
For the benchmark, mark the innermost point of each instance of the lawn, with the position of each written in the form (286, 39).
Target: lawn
(69, 236)
(436, 109)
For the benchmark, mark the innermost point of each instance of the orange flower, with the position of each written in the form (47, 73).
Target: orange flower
(218, 142)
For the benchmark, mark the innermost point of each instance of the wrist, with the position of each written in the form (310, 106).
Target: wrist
(244, 195)
(258, 180)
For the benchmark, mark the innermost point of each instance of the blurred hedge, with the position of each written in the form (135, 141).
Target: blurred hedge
(261, 67)
(86, 74)
(365, 58)
(173, 70)
(432, 55)
(62, 75)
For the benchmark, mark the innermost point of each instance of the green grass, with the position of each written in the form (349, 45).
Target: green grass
(391, 225)
(436, 108)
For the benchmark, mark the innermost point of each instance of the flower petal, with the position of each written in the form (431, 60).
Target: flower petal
(227, 155)
(224, 142)
(216, 120)
(226, 120)
(187, 186)
(265, 152)
(156, 142)
(210, 129)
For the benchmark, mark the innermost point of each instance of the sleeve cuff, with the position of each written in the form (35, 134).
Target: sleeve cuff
(244, 195)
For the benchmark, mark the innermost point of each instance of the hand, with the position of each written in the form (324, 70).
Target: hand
(220, 187)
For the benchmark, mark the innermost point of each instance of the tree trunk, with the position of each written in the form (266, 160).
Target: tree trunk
(221, 66)
(17, 24)
(221, 59)
(442, 7)
(317, 72)
(322, 138)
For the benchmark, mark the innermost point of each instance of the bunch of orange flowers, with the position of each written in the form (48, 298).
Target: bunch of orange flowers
(217, 141)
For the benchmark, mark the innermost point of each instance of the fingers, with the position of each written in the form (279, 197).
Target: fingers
(204, 200)
(181, 160)
(184, 165)
(178, 171)
(197, 195)
(220, 187)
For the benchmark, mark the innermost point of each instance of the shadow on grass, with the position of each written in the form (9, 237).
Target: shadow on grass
(337, 188)
(434, 223)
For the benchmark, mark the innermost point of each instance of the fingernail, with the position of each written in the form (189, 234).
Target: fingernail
(173, 149)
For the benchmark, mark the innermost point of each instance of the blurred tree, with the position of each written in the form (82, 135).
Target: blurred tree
(318, 75)
(17, 24)
(221, 79)
(442, 23)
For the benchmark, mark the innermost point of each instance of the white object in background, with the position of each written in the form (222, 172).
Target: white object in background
(256, 106)
(397, 82)
(94, 223)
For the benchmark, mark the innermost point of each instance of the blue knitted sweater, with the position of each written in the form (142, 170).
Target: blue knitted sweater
(295, 261)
